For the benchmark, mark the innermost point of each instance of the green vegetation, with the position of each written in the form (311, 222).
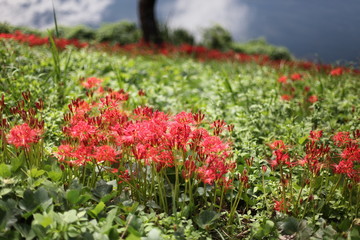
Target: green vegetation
(271, 197)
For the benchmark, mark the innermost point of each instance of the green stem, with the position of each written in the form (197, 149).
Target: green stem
(357, 202)
(221, 197)
(174, 208)
(283, 188)
(214, 196)
(334, 188)
(162, 195)
(264, 190)
(236, 203)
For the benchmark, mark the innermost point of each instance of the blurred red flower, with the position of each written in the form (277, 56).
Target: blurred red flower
(22, 135)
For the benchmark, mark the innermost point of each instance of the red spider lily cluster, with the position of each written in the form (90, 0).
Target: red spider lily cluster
(33, 40)
(349, 154)
(105, 133)
(199, 52)
(343, 157)
(23, 135)
(290, 86)
(337, 72)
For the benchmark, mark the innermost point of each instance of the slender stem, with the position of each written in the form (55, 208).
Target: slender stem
(264, 190)
(357, 202)
(221, 197)
(334, 188)
(174, 208)
(235, 203)
(298, 199)
(214, 196)
(282, 179)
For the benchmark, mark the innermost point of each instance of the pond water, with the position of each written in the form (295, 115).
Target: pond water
(319, 30)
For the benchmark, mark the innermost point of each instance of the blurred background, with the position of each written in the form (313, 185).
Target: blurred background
(325, 31)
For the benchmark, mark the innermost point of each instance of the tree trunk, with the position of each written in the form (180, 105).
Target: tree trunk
(148, 23)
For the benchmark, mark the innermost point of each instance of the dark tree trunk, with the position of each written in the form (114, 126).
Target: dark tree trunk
(148, 22)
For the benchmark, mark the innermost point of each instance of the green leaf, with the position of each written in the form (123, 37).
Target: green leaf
(70, 216)
(28, 203)
(109, 220)
(289, 226)
(17, 162)
(102, 189)
(42, 220)
(206, 218)
(35, 173)
(95, 212)
(269, 226)
(73, 196)
(5, 191)
(133, 237)
(55, 175)
(154, 234)
(42, 198)
(5, 170)
(302, 140)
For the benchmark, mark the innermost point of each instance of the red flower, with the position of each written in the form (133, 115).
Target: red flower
(341, 138)
(278, 145)
(141, 92)
(336, 72)
(92, 82)
(82, 130)
(315, 135)
(105, 153)
(313, 99)
(279, 206)
(282, 79)
(184, 117)
(22, 135)
(286, 97)
(348, 168)
(296, 77)
(281, 158)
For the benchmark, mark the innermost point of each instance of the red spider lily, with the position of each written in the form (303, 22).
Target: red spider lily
(313, 99)
(189, 169)
(199, 52)
(341, 138)
(218, 126)
(198, 117)
(286, 97)
(82, 130)
(347, 167)
(279, 206)
(314, 154)
(105, 153)
(349, 157)
(185, 118)
(92, 82)
(296, 76)
(104, 132)
(337, 72)
(281, 158)
(282, 79)
(141, 92)
(278, 145)
(22, 135)
(315, 135)
(214, 145)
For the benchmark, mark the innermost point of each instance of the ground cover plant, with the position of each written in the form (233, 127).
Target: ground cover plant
(137, 145)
